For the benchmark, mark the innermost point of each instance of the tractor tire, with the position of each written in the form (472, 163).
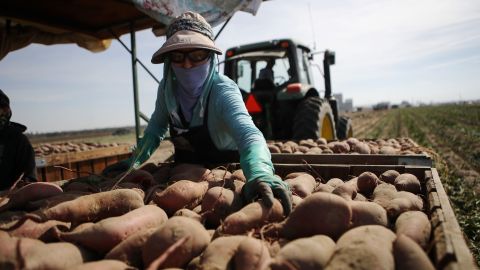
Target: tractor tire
(344, 128)
(313, 120)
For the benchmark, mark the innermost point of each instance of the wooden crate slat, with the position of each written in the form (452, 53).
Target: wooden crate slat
(463, 256)
(57, 159)
(85, 168)
(361, 159)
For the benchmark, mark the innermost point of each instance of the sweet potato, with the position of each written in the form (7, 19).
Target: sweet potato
(308, 253)
(352, 141)
(252, 216)
(30, 192)
(368, 213)
(172, 231)
(354, 183)
(361, 148)
(26, 253)
(323, 188)
(238, 175)
(387, 150)
(129, 250)
(237, 186)
(251, 254)
(294, 175)
(218, 203)
(302, 185)
(339, 147)
(104, 264)
(286, 148)
(32, 229)
(366, 182)
(409, 255)
(56, 256)
(364, 247)
(141, 177)
(296, 200)
(359, 197)
(383, 194)
(184, 212)
(181, 194)
(9, 218)
(414, 224)
(192, 172)
(346, 191)
(335, 182)
(219, 175)
(319, 213)
(91, 207)
(12, 250)
(404, 201)
(274, 149)
(389, 176)
(107, 233)
(302, 149)
(219, 253)
(54, 200)
(407, 182)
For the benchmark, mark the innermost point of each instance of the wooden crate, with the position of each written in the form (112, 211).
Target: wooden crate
(449, 247)
(73, 165)
(361, 159)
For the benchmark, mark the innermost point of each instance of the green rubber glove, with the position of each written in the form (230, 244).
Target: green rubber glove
(268, 188)
(145, 148)
(261, 183)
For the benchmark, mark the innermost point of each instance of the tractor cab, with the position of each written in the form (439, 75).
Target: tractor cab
(267, 73)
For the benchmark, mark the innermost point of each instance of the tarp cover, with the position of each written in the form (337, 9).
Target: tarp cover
(17, 34)
(214, 11)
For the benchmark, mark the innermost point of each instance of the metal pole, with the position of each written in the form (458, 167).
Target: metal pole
(326, 75)
(135, 82)
(221, 29)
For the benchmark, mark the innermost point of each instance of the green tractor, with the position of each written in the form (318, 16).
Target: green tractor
(275, 78)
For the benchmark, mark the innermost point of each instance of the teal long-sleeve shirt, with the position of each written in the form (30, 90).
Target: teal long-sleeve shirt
(229, 124)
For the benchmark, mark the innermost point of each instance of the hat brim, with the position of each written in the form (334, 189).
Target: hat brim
(184, 39)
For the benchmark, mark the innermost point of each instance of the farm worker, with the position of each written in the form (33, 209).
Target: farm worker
(267, 72)
(16, 152)
(205, 113)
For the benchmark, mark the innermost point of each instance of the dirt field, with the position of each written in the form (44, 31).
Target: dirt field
(453, 132)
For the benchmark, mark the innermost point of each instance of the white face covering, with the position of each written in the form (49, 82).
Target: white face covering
(190, 86)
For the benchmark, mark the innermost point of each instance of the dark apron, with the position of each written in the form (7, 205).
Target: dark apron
(194, 145)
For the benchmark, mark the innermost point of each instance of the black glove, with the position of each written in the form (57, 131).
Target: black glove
(267, 189)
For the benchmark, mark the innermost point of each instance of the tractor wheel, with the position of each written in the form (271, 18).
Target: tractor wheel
(344, 128)
(313, 120)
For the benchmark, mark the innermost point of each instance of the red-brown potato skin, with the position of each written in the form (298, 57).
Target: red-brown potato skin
(409, 255)
(319, 213)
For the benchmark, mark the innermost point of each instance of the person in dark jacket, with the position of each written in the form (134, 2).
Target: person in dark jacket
(17, 158)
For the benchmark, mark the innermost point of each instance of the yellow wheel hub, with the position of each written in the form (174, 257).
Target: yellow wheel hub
(327, 129)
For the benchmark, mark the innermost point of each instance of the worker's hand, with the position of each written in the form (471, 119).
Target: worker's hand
(267, 188)
(116, 168)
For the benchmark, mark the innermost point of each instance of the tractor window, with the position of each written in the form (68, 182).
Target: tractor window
(303, 66)
(244, 75)
(280, 69)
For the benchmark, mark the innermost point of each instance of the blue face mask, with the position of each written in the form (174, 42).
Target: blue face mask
(192, 79)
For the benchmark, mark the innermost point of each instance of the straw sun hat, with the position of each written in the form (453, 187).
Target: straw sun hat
(189, 30)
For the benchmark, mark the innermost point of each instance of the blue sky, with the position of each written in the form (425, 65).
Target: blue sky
(414, 50)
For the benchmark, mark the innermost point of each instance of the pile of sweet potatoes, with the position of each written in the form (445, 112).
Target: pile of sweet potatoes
(190, 217)
(398, 146)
